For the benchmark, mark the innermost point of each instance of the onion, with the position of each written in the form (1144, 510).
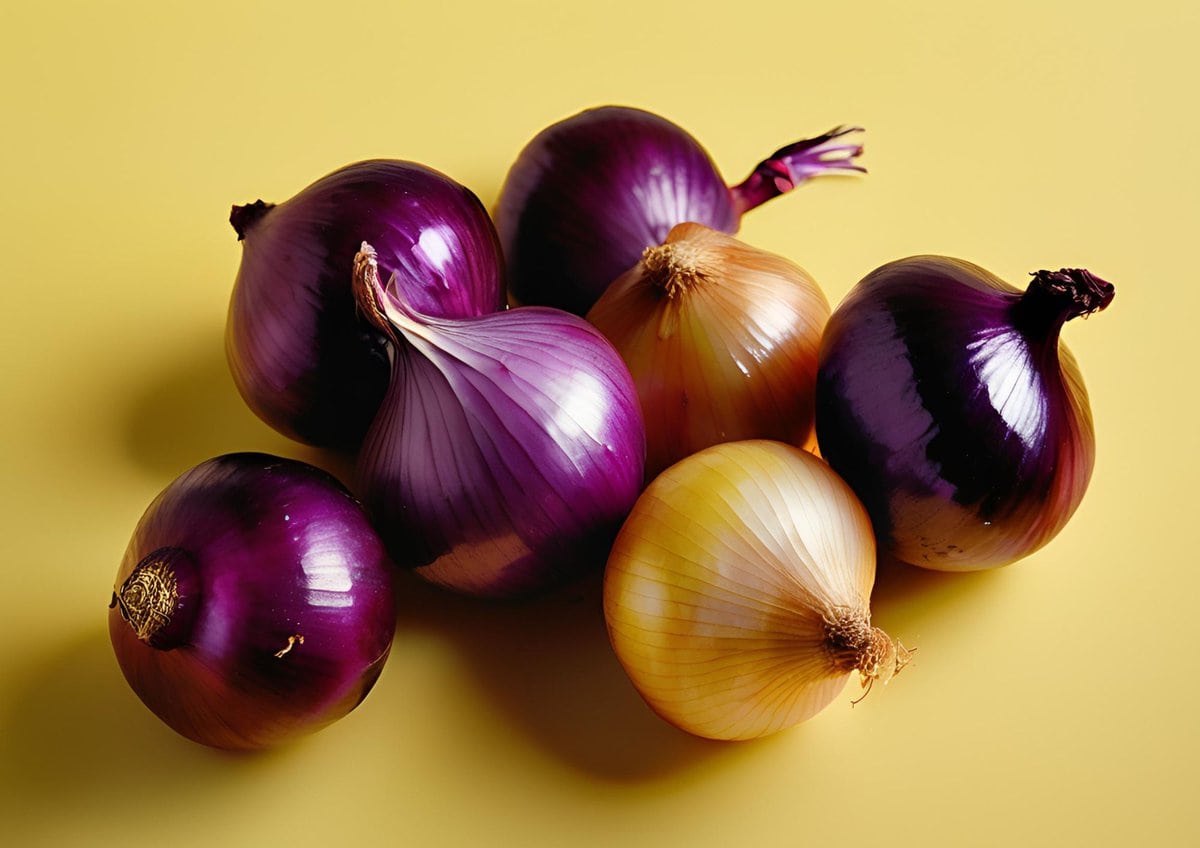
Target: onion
(590, 193)
(947, 402)
(508, 449)
(253, 603)
(736, 594)
(299, 354)
(721, 340)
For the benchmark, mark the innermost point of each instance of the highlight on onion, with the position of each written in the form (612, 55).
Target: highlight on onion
(947, 402)
(588, 194)
(721, 340)
(253, 604)
(300, 356)
(508, 449)
(737, 592)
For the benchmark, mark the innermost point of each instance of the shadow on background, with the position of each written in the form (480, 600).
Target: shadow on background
(191, 411)
(548, 666)
(907, 596)
(77, 739)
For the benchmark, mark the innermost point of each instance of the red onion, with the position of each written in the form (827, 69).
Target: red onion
(508, 449)
(590, 193)
(300, 356)
(947, 402)
(253, 603)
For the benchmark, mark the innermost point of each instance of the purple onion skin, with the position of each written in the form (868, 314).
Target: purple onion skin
(263, 551)
(507, 452)
(588, 194)
(947, 402)
(301, 357)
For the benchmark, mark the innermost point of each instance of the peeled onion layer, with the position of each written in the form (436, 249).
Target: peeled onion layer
(737, 591)
(721, 340)
(589, 193)
(253, 604)
(508, 449)
(300, 355)
(948, 403)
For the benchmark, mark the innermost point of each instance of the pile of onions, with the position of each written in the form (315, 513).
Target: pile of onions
(500, 450)
(300, 356)
(721, 340)
(508, 449)
(947, 402)
(253, 604)
(590, 193)
(737, 592)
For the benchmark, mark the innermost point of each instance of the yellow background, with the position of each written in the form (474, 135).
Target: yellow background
(1051, 703)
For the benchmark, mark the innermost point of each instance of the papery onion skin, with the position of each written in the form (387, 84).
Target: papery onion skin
(721, 339)
(284, 616)
(300, 356)
(737, 591)
(588, 194)
(508, 450)
(948, 403)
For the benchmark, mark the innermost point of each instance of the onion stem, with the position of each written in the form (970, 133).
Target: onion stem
(244, 217)
(384, 310)
(794, 164)
(1055, 297)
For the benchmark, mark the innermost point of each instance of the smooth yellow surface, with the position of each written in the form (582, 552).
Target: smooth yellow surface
(1051, 703)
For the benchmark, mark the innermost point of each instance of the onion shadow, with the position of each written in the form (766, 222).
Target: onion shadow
(191, 411)
(906, 596)
(547, 665)
(76, 739)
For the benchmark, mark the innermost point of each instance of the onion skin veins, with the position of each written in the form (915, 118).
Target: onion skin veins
(589, 193)
(736, 592)
(508, 449)
(948, 403)
(721, 340)
(300, 356)
(253, 604)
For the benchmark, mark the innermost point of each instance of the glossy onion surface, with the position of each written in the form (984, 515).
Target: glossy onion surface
(721, 340)
(253, 603)
(588, 194)
(947, 402)
(737, 592)
(508, 449)
(299, 354)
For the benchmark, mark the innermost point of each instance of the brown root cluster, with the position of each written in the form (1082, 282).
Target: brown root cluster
(854, 645)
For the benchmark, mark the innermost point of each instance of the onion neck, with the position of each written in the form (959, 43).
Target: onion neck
(243, 218)
(676, 267)
(1055, 297)
(159, 598)
(387, 314)
(794, 164)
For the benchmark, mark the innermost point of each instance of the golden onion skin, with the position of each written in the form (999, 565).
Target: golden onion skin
(730, 588)
(722, 340)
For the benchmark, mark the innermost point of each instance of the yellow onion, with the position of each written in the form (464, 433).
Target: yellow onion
(722, 340)
(737, 592)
